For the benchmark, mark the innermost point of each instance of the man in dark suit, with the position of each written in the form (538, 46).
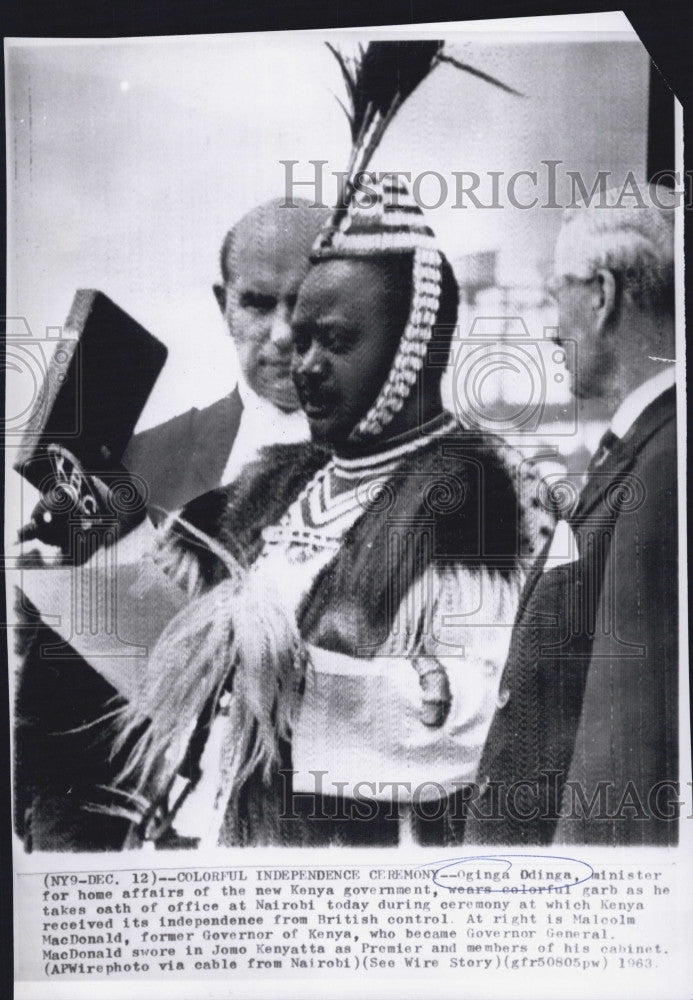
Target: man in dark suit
(584, 745)
(264, 259)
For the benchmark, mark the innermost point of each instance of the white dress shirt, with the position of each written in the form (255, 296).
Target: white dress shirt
(637, 401)
(261, 424)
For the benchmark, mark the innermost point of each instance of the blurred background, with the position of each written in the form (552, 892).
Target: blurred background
(129, 160)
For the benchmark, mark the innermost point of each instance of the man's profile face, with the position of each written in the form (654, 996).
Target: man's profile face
(590, 363)
(346, 329)
(266, 264)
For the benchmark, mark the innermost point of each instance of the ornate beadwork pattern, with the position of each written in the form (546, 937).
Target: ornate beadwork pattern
(337, 495)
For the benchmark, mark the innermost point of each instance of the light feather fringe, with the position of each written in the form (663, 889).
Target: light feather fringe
(177, 555)
(237, 636)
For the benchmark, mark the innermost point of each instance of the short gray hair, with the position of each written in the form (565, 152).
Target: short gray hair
(635, 243)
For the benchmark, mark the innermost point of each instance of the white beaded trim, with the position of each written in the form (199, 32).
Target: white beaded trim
(409, 359)
(387, 461)
(366, 470)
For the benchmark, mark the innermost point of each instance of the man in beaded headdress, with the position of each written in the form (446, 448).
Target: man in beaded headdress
(334, 677)
(338, 670)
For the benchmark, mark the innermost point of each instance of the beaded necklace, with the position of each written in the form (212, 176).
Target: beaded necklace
(345, 488)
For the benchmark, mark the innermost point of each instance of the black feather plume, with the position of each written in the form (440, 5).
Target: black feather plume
(383, 74)
(379, 79)
(466, 68)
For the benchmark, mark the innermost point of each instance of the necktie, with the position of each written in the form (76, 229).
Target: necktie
(606, 443)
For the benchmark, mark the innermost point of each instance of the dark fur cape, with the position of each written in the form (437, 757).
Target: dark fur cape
(457, 500)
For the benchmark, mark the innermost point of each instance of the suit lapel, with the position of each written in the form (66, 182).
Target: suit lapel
(215, 442)
(624, 453)
(534, 732)
(615, 466)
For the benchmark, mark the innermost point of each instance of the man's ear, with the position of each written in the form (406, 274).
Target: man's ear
(220, 296)
(605, 299)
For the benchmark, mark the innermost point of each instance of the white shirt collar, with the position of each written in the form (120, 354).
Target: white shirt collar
(639, 399)
(251, 400)
(261, 424)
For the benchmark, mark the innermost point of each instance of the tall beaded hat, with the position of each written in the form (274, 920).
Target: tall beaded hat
(389, 221)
